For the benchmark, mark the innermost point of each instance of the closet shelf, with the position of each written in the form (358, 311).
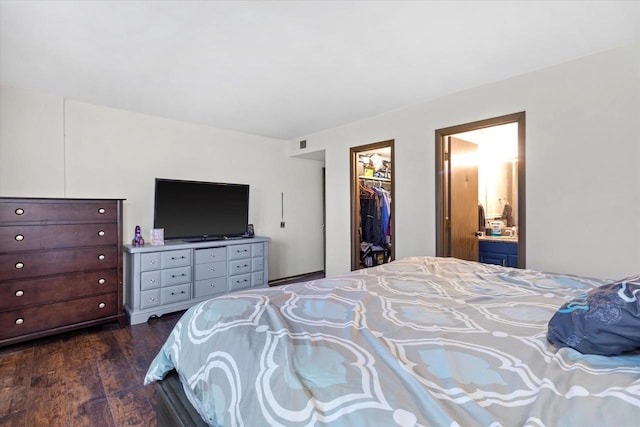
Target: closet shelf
(374, 178)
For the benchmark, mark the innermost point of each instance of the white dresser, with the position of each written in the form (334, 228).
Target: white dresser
(173, 277)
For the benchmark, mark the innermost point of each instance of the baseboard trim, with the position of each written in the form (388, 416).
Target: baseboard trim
(298, 278)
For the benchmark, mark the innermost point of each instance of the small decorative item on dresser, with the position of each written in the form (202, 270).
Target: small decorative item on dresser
(138, 240)
(157, 237)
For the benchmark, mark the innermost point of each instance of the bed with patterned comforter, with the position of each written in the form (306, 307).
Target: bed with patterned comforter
(421, 341)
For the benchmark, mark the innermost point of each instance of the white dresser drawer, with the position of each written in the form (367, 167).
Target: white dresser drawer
(210, 255)
(149, 298)
(257, 279)
(257, 264)
(150, 261)
(212, 269)
(239, 282)
(176, 293)
(257, 249)
(239, 251)
(240, 266)
(213, 286)
(150, 280)
(175, 276)
(176, 258)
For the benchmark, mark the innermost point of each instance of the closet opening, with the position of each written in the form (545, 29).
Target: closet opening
(372, 205)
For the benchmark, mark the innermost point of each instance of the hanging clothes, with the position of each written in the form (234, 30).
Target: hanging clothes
(481, 218)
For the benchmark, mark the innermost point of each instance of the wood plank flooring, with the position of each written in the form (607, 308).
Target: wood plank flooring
(91, 377)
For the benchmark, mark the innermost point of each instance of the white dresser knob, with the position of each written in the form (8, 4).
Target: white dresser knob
(101, 257)
(19, 237)
(101, 233)
(19, 321)
(19, 293)
(152, 299)
(19, 211)
(101, 281)
(101, 211)
(102, 305)
(19, 265)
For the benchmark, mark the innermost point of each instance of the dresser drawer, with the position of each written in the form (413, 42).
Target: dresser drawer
(150, 279)
(204, 256)
(150, 298)
(28, 210)
(176, 258)
(257, 264)
(213, 286)
(240, 266)
(257, 249)
(212, 269)
(44, 317)
(42, 263)
(239, 282)
(33, 237)
(150, 261)
(239, 251)
(176, 293)
(45, 290)
(257, 279)
(174, 276)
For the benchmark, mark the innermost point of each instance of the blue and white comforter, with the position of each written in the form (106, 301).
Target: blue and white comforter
(422, 341)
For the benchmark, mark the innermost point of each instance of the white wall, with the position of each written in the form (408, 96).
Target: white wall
(582, 156)
(52, 147)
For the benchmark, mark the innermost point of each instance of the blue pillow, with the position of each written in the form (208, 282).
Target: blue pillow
(604, 321)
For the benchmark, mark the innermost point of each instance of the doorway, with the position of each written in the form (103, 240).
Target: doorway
(372, 205)
(467, 207)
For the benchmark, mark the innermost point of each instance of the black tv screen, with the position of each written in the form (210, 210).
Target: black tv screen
(195, 210)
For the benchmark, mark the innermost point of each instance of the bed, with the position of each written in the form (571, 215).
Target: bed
(421, 341)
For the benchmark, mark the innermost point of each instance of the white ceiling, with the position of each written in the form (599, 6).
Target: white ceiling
(287, 69)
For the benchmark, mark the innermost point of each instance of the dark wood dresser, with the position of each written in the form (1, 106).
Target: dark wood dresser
(60, 265)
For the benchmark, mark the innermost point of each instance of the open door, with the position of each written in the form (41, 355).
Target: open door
(458, 206)
(463, 198)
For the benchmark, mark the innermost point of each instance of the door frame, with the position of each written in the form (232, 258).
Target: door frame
(443, 232)
(355, 199)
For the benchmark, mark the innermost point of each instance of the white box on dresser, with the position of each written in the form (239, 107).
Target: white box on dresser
(177, 275)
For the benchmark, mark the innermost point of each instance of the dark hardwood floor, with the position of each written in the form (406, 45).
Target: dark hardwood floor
(90, 377)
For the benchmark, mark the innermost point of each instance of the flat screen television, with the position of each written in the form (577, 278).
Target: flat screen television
(195, 210)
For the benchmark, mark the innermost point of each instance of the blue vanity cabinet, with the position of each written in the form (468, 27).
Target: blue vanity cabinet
(498, 252)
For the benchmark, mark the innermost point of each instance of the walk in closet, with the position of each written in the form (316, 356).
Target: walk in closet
(372, 213)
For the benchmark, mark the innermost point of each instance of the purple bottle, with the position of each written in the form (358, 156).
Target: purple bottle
(138, 240)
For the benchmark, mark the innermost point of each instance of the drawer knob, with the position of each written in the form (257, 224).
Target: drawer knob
(19, 265)
(101, 281)
(19, 237)
(177, 293)
(19, 321)
(19, 211)
(102, 305)
(101, 257)
(101, 211)
(152, 280)
(213, 269)
(19, 293)
(152, 299)
(152, 262)
(101, 233)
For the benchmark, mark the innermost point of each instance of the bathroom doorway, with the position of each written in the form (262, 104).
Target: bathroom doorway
(372, 205)
(480, 183)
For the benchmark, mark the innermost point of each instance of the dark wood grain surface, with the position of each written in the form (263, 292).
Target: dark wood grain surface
(89, 377)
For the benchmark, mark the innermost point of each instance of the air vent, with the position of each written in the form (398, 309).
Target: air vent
(303, 144)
